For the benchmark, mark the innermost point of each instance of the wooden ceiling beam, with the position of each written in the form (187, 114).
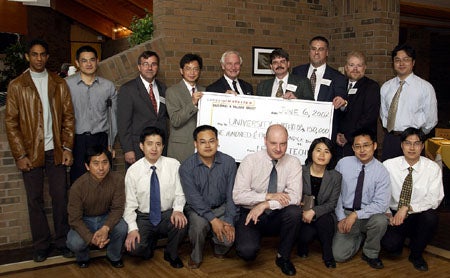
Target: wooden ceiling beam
(121, 12)
(143, 4)
(424, 11)
(85, 16)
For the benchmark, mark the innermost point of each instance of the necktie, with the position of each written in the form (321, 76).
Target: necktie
(152, 97)
(155, 199)
(273, 178)
(280, 89)
(359, 189)
(393, 108)
(313, 80)
(235, 86)
(350, 86)
(193, 90)
(405, 194)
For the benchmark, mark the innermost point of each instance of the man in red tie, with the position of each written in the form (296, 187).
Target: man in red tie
(141, 103)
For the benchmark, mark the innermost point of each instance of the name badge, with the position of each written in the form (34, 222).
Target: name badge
(291, 87)
(326, 82)
(162, 99)
(352, 91)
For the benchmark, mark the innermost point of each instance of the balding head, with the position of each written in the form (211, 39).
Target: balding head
(276, 141)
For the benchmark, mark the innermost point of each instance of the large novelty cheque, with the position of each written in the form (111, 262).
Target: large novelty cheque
(242, 122)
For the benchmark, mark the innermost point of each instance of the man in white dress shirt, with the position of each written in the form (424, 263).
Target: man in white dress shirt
(143, 228)
(416, 102)
(413, 214)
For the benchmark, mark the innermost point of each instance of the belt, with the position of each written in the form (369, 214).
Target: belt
(90, 134)
(214, 207)
(395, 133)
(351, 209)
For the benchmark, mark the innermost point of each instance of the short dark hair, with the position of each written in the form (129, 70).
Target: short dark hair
(410, 51)
(187, 58)
(85, 48)
(40, 42)
(203, 128)
(320, 38)
(279, 53)
(151, 130)
(365, 132)
(413, 131)
(329, 145)
(147, 54)
(96, 151)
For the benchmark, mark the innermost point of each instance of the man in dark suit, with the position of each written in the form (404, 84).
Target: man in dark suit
(284, 84)
(229, 83)
(363, 105)
(141, 103)
(182, 101)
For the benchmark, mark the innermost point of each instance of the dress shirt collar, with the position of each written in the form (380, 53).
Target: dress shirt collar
(189, 86)
(217, 159)
(404, 165)
(320, 70)
(285, 80)
(79, 80)
(147, 164)
(229, 80)
(407, 80)
(147, 84)
(367, 165)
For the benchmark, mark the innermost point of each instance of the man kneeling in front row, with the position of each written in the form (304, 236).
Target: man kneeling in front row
(96, 204)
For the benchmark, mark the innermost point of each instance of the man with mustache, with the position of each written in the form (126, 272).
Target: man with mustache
(363, 104)
(284, 85)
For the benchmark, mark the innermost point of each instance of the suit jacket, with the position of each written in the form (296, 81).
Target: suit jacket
(221, 86)
(329, 191)
(183, 121)
(303, 87)
(135, 112)
(362, 110)
(327, 93)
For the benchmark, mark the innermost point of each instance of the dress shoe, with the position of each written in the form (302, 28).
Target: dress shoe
(83, 264)
(419, 263)
(175, 263)
(374, 263)
(116, 264)
(65, 252)
(286, 266)
(192, 264)
(40, 255)
(330, 263)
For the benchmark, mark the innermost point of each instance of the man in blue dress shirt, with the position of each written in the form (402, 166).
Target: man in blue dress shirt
(207, 178)
(362, 213)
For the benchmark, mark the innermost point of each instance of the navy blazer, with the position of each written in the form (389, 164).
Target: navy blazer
(221, 86)
(327, 93)
(329, 191)
(303, 87)
(135, 112)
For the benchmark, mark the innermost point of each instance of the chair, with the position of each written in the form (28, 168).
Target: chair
(442, 132)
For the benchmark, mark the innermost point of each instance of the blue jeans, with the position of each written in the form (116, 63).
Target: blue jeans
(117, 237)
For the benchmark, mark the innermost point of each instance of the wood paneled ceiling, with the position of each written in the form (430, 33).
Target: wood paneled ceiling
(107, 17)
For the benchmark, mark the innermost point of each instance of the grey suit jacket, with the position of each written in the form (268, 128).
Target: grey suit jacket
(135, 112)
(329, 191)
(303, 87)
(183, 121)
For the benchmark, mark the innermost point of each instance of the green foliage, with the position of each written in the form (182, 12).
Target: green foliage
(14, 64)
(142, 29)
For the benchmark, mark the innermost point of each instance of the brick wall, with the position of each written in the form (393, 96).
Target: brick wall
(211, 27)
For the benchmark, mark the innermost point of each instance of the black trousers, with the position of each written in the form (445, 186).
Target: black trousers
(81, 143)
(324, 228)
(284, 222)
(419, 227)
(391, 146)
(150, 235)
(57, 186)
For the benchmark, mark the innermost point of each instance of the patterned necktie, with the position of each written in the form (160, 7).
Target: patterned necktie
(405, 194)
(273, 178)
(235, 87)
(152, 97)
(358, 190)
(155, 199)
(280, 89)
(393, 108)
(313, 80)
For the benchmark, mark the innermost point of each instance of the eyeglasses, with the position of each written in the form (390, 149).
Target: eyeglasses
(405, 60)
(362, 147)
(148, 65)
(191, 69)
(414, 144)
